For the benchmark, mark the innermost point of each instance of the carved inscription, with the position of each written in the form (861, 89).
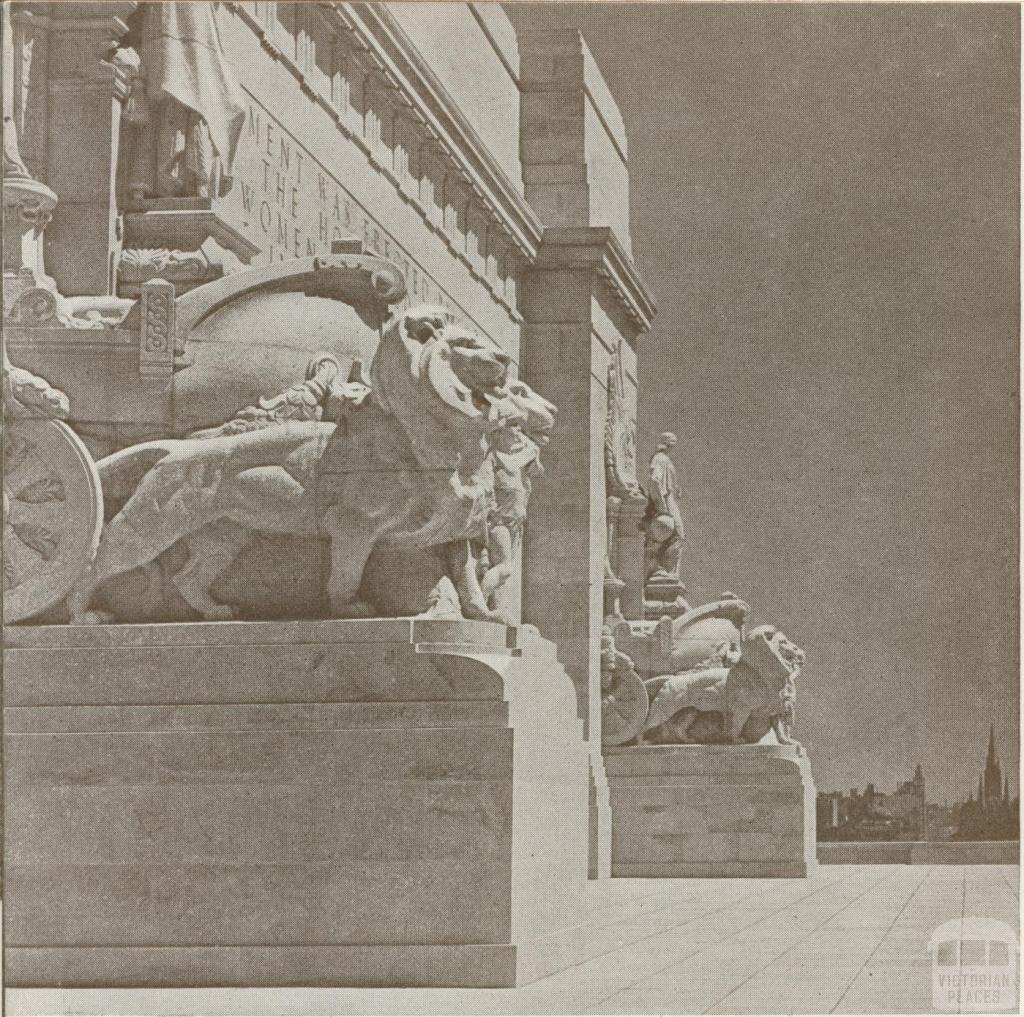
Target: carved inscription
(292, 207)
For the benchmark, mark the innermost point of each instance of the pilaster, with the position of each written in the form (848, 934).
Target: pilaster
(85, 94)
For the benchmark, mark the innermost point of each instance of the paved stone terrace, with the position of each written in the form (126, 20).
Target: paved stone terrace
(850, 939)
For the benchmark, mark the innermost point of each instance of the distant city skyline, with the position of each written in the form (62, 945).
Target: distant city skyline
(909, 813)
(972, 773)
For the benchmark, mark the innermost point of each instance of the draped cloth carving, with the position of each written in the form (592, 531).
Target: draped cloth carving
(190, 108)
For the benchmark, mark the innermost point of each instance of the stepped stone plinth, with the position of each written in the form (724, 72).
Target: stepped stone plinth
(336, 803)
(711, 810)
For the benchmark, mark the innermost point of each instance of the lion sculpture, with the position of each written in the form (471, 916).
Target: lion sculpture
(739, 703)
(401, 463)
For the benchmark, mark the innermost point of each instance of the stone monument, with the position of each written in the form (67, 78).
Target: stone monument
(697, 712)
(271, 472)
(298, 747)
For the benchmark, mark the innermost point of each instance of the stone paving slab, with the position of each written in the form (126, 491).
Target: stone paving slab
(849, 939)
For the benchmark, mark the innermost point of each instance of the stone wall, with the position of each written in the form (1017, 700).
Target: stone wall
(575, 157)
(993, 852)
(606, 154)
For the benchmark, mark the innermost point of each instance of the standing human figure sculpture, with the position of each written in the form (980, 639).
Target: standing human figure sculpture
(185, 105)
(664, 519)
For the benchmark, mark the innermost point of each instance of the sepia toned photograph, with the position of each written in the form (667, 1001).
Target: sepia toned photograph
(510, 508)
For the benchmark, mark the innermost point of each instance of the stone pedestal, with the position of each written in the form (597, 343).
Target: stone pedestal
(339, 803)
(711, 811)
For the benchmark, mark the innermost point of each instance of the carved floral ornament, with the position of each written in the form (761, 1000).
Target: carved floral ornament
(139, 264)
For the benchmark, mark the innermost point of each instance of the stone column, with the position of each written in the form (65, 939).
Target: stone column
(581, 299)
(28, 204)
(566, 295)
(564, 542)
(629, 556)
(563, 559)
(85, 92)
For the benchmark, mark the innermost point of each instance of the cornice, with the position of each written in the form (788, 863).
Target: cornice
(404, 68)
(112, 14)
(620, 272)
(598, 249)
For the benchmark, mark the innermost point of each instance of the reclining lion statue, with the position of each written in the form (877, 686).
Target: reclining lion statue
(739, 703)
(401, 463)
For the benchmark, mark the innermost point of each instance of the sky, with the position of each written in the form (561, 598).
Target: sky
(824, 203)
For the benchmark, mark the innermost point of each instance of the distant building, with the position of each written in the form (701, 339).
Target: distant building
(872, 815)
(993, 815)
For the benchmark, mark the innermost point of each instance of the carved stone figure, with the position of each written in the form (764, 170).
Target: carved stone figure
(189, 117)
(515, 461)
(403, 467)
(664, 519)
(624, 701)
(729, 701)
(318, 397)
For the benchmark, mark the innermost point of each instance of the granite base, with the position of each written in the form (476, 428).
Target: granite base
(711, 811)
(392, 803)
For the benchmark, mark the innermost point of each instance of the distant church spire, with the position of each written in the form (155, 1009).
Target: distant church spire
(918, 775)
(993, 776)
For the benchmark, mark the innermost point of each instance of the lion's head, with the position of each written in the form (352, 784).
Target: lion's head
(538, 413)
(427, 362)
(775, 658)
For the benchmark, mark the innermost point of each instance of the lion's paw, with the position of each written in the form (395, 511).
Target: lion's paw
(220, 612)
(353, 609)
(93, 618)
(475, 613)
